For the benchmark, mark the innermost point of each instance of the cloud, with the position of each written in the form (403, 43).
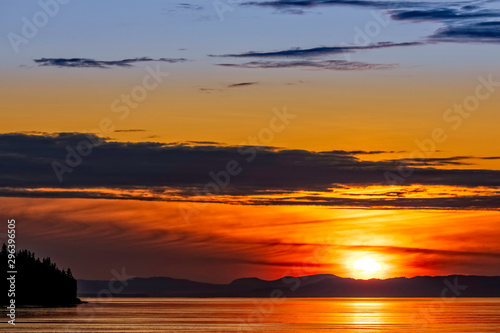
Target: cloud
(176, 171)
(455, 160)
(443, 14)
(189, 11)
(133, 130)
(189, 6)
(464, 20)
(242, 84)
(449, 203)
(295, 83)
(209, 90)
(316, 51)
(291, 12)
(314, 3)
(91, 63)
(338, 65)
(364, 152)
(232, 85)
(35, 132)
(172, 164)
(478, 32)
(399, 249)
(441, 9)
(306, 54)
(213, 143)
(387, 249)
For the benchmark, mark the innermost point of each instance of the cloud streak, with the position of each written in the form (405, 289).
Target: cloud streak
(465, 22)
(132, 130)
(337, 65)
(242, 84)
(315, 3)
(316, 51)
(303, 58)
(472, 32)
(442, 14)
(92, 63)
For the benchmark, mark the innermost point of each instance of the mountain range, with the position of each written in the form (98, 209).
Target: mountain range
(323, 285)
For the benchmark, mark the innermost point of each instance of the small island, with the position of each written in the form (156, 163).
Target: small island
(37, 282)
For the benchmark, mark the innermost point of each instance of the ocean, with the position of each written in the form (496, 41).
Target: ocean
(264, 315)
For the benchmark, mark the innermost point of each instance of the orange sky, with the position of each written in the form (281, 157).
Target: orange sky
(317, 191)
(383, 111)
(224, 242)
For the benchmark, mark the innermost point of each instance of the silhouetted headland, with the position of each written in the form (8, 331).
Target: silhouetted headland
(37, 282)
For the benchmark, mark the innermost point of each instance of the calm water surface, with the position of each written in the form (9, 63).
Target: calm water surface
(265, 315)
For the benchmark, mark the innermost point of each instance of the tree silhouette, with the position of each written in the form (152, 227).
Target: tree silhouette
(38, 282)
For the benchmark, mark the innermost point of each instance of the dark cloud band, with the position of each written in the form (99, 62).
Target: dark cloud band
(28, 162)
(91, 63)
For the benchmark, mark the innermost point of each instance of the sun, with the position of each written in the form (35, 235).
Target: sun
(367, 265)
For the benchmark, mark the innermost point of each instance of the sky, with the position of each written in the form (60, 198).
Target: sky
(213, 140)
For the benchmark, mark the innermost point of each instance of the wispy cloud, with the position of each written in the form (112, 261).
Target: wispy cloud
(92, 63)
(305, 58)
(224, 88)
(242, 84)
(133, 130)
(460, 203)
(316, 51)
(209, 90)
(338, 65)
(315, 3)
(476, 32)
(387, 249)
(455, 160)
(291, 11)
(442, 14)
(464, 20)
(189, 6)
(211, 143)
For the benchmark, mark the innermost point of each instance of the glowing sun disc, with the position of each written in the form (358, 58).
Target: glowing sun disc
(367, 265)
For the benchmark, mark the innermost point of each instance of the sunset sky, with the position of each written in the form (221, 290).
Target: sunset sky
(212, 140)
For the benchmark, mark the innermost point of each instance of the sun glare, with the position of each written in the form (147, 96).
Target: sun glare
(368, 265)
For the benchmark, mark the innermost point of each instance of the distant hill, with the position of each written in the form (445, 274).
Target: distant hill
(37, 282)
(323, 285)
